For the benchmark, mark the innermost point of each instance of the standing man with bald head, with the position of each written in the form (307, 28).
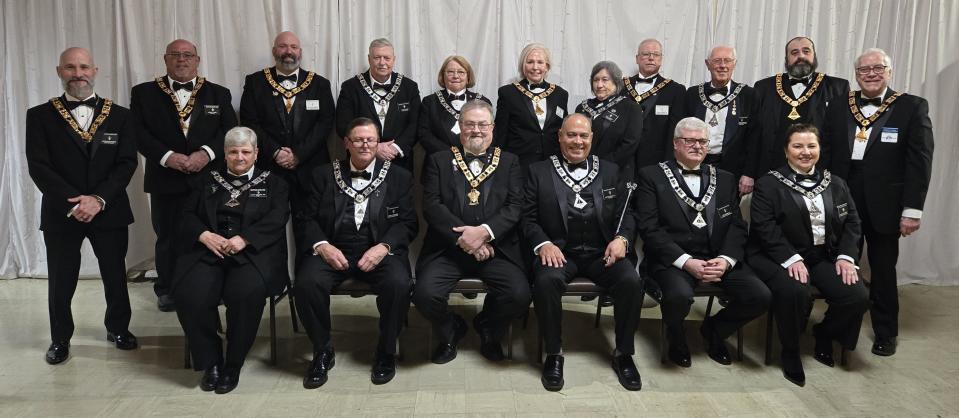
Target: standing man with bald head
(81, 153)
(291, 110)
(661, 99)
(182, 119)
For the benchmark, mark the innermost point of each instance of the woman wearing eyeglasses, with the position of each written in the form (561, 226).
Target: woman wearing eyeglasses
(804, 232)
(617, 120)
(439, 112)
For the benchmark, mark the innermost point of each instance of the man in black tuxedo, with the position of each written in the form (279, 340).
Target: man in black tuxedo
(81, 154)
(687, 212)
(291, 110)
(182, 120)
(473, 199)
(799, 95)
(577, 218)
(390, 99)
(726, 106)
(661, 99)
(359, 221)
(882, 145)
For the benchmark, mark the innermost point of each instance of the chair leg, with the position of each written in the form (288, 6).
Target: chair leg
(769, 338)
(739, 343)
(526, 317)
(272, 331)
(662, 342)
(843, 357)
(293, 318)
(709, 306)
(187, 363)
(509, 341)
(539, 348)
(599, 311)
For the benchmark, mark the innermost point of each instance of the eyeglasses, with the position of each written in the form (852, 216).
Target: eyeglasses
(364, 141)
(875, 69)
(694, 141)
(482, 126)
(179, 55)
(650, 54)
(455, 72)
(717, 61)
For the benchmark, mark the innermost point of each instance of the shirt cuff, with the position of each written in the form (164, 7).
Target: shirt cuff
(164, 158)
(490, 231)
(791, 260)
(317, 245)
(730, 260)
(398, 149)
(536, 248)
(103, 203)
(847, 258)
(681, 261)
(209, 151)
(911, 213)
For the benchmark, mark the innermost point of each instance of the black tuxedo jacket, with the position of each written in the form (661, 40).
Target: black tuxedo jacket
(159, 130)
(265, 214)
(435, 123)
(444, 197)
(896, 173)
(616, 134)
(306, 132)
(737, 149)
(545, 205)
(404, 109)
(62, 167)
(771, 123)
(517, 129)
(656, 141)
(390, 209)
(780, 226)
(665, 222)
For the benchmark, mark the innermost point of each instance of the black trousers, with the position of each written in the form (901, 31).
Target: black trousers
(315, 280)
(63, 265)
(242, 289)
(621, 279)
(165, 213)
(507, 297)
(748, 299)
(791, 299)
(883, 290)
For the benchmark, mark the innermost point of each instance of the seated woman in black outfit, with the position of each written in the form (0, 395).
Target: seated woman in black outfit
(617, 121)
(232, 238)
(804, 232)
(438, 130)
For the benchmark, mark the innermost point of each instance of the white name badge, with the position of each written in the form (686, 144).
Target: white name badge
(312, 105)
(560, 112)
(890, 135)
(455, 129)
(662, 110)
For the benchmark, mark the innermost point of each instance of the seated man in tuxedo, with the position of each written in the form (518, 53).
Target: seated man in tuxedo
(579, 224)
(358, 221)
(472, 201)
(687, 213)
(232, 233)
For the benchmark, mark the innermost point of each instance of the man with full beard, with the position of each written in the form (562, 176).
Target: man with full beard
(799, 95)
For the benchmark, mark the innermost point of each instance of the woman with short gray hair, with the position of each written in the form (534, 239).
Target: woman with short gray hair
(617, 121)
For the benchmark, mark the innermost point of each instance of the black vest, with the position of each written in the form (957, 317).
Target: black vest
(583, 234)
(352, 241)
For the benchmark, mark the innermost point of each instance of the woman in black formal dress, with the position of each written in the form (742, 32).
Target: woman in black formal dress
(438, 130)
(617, 121)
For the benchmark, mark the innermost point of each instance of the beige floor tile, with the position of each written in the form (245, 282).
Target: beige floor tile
(440, 402)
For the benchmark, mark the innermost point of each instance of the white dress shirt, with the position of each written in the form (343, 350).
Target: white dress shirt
(694, 182)
(83, 114)
(817, 220)
(641, 87)
(716, 133)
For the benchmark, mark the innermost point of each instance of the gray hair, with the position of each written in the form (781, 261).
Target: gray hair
(651, 40)
(239, 136)
(379, 43)
(478, 104)
(721, 46)
(614, 72)
(529, 50)
(691, 124)
(882, 54)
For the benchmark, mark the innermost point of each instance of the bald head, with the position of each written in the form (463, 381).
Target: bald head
(287, 52)
(181, 60)
(77, 72)
(76, 52)
(576, 137)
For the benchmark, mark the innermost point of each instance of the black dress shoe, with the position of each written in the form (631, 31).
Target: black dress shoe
(165, 303)
(384, 368)
(211, 377)
(228, 380)
(626, 372)
(823, 350)
(679, 354)
(58, 352)
(123, 340)
(884, 346)
(316, 375)
(553, 373)
(715, 346)
(445, 352)
(489, 346)
(792, 368)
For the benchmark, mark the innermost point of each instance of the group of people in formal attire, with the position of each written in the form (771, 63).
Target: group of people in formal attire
(526, 198)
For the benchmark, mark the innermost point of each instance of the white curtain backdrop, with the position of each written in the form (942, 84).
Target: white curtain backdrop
(128, 37)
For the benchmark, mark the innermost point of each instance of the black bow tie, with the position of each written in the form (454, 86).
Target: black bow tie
(540, 85)
(576, 166)
(875, 101)
(92, 102)
(794, 81)
(282, 78)
(236, 180)
(799, 178)
(697, 172)
(452, 97)
(378, 85)
(188, 86)
(471, 157)
(640, 79)
(360, 174)
(710, 90)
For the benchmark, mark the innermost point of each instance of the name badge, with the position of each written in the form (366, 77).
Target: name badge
(609, 193)
(261, 193)
(211, 110)
(724, 212)
(890, 135)
(312, 105)
(842, 209)
(662, 110)
(392, 212)
(109, 139)
(611, 117)
(743, 120)
(560, 112)
(455, 129)
(404, 107)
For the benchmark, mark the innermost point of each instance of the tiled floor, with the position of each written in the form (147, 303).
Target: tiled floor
(921, 380)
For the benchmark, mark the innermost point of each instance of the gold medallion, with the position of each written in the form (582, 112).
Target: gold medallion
(793, 114)
(473, 196)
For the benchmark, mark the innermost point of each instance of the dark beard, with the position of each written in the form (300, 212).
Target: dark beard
(801, 69)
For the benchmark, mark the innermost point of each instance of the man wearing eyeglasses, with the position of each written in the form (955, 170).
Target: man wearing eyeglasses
(183, 119)
(358, 222)
(727, 107)
(882, 145)
(687, 213)
(799, 95)
(661, 101)
(472, 200)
